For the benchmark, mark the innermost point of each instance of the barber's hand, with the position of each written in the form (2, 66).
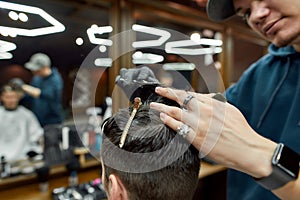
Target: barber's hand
(218, 130)
(131, 79)
(17, 83)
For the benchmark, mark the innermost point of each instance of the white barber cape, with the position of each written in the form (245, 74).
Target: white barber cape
(19, 133)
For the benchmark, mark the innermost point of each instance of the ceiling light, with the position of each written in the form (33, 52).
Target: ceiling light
(103, 62)
(218, 36)
(13, 15)
(5, 55)
(218, 50)
(137, 55)
(6, 46)
(195, 37)
(210, 42)
(11, 34)
(102, 48)
(164, 36)
(208, 33)
(179, 66)
(3, 33)
(94, 26)
(146, 58)
(208, 59)
(23, 17)
(79, 41)
(179, 47)
(55, 28)
(6, 33)
(94, 29)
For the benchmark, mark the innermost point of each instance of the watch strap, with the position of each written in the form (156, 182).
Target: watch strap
(275, 180)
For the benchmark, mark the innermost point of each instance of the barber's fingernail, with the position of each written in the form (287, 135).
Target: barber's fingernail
(152, 105)
(158, 89)
(162, 116)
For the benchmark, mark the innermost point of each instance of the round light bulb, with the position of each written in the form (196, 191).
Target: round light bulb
(23, 17)
(79, 41)
(13, 15)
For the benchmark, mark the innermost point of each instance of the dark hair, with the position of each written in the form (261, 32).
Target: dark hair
(10, 87)
(7, 88)
(171, 165)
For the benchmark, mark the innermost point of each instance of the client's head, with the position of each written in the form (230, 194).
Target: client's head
(9, 97)
(154, 163)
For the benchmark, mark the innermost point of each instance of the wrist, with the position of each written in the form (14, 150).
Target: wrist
(261, 153)
(267, 151)
(285, 168)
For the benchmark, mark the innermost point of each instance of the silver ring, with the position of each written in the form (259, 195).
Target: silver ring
(186, 101)
(183, 130)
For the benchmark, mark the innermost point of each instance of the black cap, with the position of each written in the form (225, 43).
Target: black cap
(219, 10)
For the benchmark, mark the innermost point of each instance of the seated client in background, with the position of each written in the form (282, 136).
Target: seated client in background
(20, 131)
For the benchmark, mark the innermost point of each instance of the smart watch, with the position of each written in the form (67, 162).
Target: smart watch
(285, 168)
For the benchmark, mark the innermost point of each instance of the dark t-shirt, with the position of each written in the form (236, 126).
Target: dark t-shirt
(48, 107)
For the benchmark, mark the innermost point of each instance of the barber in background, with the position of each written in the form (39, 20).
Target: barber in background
(20, 130)
(45, 90)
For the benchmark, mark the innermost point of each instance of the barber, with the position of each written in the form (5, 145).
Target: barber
(256, 132)
(45, 90)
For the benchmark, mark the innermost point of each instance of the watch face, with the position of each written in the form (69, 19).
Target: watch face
(289, 161)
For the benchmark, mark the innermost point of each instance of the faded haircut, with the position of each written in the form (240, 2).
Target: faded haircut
(171, 165)
(7, 88)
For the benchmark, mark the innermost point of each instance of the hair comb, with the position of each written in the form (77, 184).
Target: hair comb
(136, 104)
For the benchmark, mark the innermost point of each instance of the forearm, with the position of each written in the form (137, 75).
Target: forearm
(257, 163)
(248, 152)
(32, 91)
(260, 155)
(290, 191)
(254, 159)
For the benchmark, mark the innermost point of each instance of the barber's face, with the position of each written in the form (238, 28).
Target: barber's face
(10, 100)
(38, 72)
(276, 20)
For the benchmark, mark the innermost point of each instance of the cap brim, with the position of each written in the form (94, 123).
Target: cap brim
(219, 10)
(31, 66)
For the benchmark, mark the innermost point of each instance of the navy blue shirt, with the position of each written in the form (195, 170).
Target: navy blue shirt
(268, 94)
(48, 107)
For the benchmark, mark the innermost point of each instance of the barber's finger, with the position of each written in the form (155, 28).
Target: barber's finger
(172, 111)
(175, 125)
(183, 98)
(177, 113)
(188, 103)
(176, 95)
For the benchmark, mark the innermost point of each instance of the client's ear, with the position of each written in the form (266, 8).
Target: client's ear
(116, 188)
